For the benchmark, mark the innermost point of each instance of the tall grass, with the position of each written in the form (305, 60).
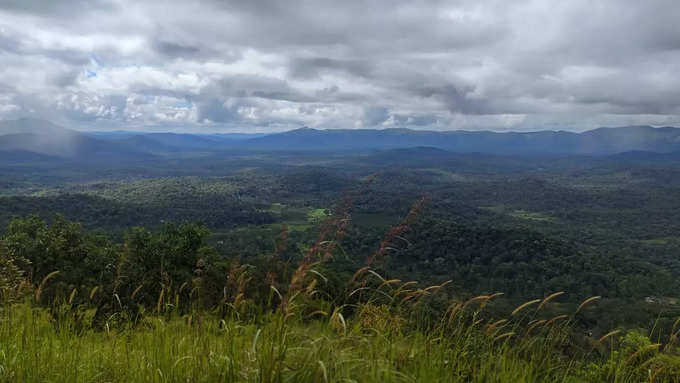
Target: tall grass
(383, 337)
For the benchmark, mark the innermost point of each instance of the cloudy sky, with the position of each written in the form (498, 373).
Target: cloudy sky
(261, 65)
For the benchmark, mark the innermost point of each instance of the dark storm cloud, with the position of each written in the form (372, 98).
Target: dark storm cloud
(272, 65)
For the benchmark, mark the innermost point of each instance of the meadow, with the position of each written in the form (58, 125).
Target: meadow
(390, 332)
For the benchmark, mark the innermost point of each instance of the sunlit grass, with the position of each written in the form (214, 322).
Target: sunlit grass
(386, 336)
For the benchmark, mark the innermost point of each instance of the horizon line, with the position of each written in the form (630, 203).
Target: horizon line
(132, 131)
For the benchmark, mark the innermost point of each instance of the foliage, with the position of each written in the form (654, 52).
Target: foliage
(381, 339)
(82, 260)
(280, 269)
(12, 280)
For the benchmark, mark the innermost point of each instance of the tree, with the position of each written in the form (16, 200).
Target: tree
(83, 261)
(156, 265)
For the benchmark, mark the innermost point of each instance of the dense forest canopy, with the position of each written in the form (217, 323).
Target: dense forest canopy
(523, 225)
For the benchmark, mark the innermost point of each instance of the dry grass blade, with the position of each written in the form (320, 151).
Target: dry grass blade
(482, 298)
(323, 370)
(311, 286)
(183, 286)
(608, 335)
(257, 335)
(338, 320)
(318, 312)
(413, 294)
(94, 291)
(238, 299)
(555, 319)
(403, 287)
(535, 324)
(437, 287)
(319, 274)
(453, 310)
(358, 290)
(136, 291)
(358, 273)
(72, 296)
(193, 291)
(523, 306)
(276, 291)
(502, 336)
(160, 300)
(492, 326)
(675, 324)
(549, 298)
(377, 275)
(389, 283)
(587, 301)
(398, 231)
(49, 276)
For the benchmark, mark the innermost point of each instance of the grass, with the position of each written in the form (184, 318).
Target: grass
(301, 216)
(533, 216)
(663, 241)
(388, 335)
(33, 350)
(317, 215)
(519, 213)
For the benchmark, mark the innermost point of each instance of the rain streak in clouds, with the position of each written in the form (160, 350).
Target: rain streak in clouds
(277, 65)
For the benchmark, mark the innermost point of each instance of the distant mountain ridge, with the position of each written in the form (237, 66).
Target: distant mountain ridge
(597, 141)
(47, 139)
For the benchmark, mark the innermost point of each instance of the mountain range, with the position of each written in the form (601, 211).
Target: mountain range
(30, 138)
(597, 141)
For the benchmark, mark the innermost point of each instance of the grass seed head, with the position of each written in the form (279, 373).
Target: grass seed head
(523, 306)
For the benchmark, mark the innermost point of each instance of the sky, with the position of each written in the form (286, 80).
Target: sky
(265, 66)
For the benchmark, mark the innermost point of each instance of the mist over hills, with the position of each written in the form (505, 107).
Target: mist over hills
(36, 139)
(44, 138)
